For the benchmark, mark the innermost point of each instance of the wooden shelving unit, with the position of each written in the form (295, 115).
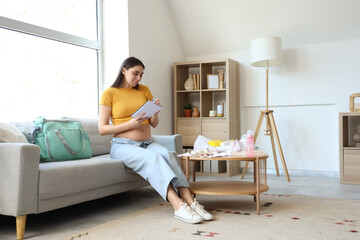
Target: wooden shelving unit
(215, 128)
(349, 154)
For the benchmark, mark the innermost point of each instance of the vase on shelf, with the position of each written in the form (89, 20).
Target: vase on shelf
(196, 112)
(189, 83)
(356, 137)
(221, 77)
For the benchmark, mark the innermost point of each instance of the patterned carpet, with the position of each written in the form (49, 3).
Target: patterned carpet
(281, 217)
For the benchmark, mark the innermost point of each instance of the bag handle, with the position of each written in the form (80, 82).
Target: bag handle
(62, 140)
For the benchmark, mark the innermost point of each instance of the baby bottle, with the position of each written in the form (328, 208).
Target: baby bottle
(250, 143)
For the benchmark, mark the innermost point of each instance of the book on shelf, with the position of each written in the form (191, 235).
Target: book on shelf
(196, 80)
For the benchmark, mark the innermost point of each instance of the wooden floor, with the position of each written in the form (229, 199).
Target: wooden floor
(64, 222)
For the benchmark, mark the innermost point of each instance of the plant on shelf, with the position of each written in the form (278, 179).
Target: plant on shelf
(188, 109)
(188, 106)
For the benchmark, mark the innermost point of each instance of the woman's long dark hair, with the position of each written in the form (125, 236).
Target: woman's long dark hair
(127, 64)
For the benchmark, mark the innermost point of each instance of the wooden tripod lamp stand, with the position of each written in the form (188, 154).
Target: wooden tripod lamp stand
(266, 52)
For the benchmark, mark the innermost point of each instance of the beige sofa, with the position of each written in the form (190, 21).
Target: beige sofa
(30, 187)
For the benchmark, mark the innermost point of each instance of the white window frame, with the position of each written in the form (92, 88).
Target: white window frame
(31, 29)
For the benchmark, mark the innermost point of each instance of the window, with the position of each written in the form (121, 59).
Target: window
(49, 69)
(76, 17)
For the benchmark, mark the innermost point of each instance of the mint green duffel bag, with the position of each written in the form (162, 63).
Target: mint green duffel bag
(61, 140)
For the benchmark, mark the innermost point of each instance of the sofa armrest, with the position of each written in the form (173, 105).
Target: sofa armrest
(19, 174)
(171, 142)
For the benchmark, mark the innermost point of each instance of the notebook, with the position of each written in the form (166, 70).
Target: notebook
(150, 108)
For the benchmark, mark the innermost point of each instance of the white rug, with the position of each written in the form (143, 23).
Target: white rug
(282, 217)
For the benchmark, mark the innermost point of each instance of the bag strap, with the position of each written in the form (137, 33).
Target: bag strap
(62, 140)
(35, 129)
(48, 147)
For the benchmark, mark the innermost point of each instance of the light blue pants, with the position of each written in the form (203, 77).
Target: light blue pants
(152, 161)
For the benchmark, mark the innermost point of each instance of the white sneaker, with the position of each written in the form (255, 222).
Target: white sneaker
(199, 209)
(185, 214)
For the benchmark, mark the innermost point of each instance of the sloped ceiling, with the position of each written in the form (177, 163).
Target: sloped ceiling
(216, 26)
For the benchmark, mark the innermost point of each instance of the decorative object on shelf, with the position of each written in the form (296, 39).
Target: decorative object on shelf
(266, 52)
(196, 80)
(221, 76)
(354, 105)
(189, 84)
(212, 113)
(220, 110)
(196, 112)
(188, 109)
(356, 137)
(213, 81)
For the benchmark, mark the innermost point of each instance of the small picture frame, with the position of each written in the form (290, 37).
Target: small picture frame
(213, 81)
(354, 104)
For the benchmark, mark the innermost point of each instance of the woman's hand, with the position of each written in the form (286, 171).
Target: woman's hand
(136, 122)
(157, 101)
(154, 120)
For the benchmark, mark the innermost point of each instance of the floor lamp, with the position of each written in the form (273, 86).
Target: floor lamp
(266, 52)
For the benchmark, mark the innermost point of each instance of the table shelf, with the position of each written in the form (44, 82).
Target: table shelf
(226, 187)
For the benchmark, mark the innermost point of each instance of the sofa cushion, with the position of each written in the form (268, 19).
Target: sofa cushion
(100, 144)
(11, 134)
(69, 177)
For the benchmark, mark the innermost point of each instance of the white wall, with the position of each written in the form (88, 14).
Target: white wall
(306, 93)
(154, 39)
(115, 39)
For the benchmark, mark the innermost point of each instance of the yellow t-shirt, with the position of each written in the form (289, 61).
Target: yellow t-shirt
(125, 101)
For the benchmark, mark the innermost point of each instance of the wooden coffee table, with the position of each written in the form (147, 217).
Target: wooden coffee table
(230, 187)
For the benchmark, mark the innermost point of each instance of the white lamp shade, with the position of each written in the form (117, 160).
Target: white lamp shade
(266, 51)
